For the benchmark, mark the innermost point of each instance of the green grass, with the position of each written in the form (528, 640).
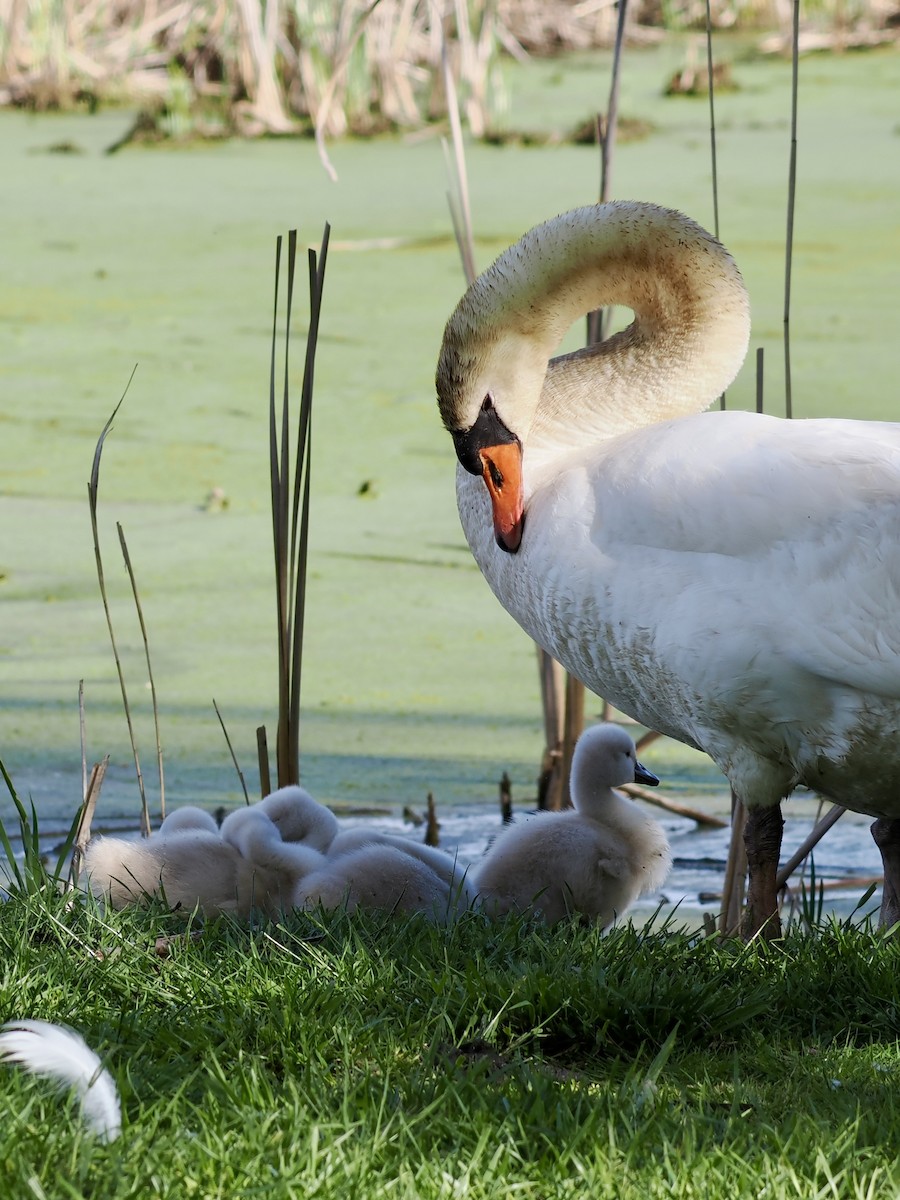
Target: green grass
(382, 1057)
(333, 1056)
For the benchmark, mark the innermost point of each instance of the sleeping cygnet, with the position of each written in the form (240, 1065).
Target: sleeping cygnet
(189, 868)
(190, 865)
(383, 876)
(448, 869)
(594, 860)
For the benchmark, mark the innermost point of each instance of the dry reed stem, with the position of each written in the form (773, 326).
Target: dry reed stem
(573, 724)
(338, 68)
(735, 871)
(240, 773)
(267, 94)
(140, 613)
(792, 190)
(506, 803)
(93, 486)
(262, 754)
(809, 843)
(432, 824)
(712, 118)
(869, 882)
(85, 820)
(458, 193)
(552, 683)
(673, 806)
(82, 734)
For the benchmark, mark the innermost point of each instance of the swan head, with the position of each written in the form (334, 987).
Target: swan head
(299, 817)
(499, 389)
(489, 384)
(605, 757)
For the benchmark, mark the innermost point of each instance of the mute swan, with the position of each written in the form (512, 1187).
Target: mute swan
(258, 840)
(727, 578)
(595, 860)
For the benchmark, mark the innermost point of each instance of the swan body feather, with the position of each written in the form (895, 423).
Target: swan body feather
(62, 1056)
(299, 817)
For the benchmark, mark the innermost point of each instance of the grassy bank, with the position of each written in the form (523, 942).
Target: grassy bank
(382, 1057)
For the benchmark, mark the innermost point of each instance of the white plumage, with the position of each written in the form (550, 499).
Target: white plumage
(299, 817)
(59, 1054)
(727, 578)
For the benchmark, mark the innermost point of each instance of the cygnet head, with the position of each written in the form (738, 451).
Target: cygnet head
(188, 818)
(249, 829)
(300, 818)
(605, 757)
(258, 840)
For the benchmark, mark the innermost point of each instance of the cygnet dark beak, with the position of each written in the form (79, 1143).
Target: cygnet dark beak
(642, 775)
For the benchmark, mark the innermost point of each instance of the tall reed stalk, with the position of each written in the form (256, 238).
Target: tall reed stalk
(290, 487)
(93, 492)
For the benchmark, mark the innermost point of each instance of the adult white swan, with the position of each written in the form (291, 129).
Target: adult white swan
(729, 579)
(594, 861)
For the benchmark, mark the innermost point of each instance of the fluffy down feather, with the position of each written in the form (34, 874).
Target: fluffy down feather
(62, 1056)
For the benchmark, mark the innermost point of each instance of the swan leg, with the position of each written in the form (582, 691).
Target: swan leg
(762, 839)
(886, 835)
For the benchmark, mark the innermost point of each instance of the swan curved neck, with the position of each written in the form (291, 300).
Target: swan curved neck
(685, 345)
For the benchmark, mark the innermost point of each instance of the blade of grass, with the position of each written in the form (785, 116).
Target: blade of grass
(12, 863)
(33, 876)
(93, 487)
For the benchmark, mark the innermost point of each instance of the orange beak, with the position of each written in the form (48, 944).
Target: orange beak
(502, 474)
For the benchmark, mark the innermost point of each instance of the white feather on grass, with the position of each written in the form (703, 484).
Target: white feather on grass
(61, 1055)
